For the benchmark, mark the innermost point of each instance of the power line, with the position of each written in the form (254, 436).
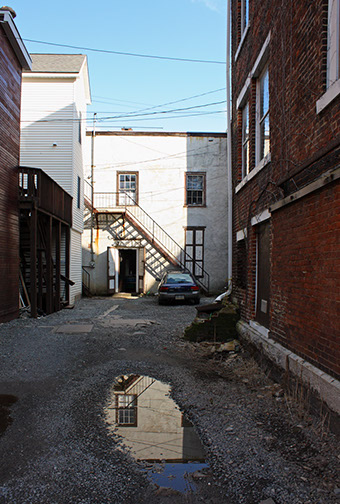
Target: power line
(197, 114)
(172, 102)
(134, 115)
(121, 53)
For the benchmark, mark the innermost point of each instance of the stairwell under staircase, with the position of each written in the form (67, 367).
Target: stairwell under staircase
(129, 221)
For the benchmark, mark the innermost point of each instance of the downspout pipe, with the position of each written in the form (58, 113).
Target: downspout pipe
(229, 156)
(92, 263)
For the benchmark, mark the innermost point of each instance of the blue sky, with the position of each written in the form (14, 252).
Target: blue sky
(121, 85)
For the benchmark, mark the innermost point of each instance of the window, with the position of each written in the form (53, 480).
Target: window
(263, 274)
(333, 46)
(244, 15)
(127, 410)
(195, 189)
(78, 191)
(194, 247)
(245, 140)
(127, 188)
(333, 57)
(263, 130)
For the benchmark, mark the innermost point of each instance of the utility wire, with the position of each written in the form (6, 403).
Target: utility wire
(106, 51)
(136, 115)
(133, 114)
(170, 103)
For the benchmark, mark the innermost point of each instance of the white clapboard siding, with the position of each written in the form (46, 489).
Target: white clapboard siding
(75, 266)
(51, 108)
(78, 171)
(46, 120)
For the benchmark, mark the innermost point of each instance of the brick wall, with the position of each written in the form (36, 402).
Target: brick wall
(303, 146)
(306, 278)
(10, 87)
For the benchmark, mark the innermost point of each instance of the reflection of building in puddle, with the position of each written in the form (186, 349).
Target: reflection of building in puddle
(151, 426)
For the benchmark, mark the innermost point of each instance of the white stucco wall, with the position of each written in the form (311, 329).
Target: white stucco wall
(162, 161)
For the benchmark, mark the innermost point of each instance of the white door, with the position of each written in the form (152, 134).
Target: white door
(112, 270)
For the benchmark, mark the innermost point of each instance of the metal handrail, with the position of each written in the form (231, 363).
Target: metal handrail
(86, 278)
(159, 236)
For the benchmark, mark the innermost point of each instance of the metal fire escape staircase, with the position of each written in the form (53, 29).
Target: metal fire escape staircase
(142, 223)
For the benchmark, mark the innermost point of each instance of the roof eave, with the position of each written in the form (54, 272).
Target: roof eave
(85, 70)
(15, 40)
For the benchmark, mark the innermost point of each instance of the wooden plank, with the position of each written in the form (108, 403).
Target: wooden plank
(33, 260)
(57, 265)
(67, 265)
(49, 267)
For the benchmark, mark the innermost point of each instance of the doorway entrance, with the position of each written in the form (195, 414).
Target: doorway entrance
(263, 274)
(128, 270)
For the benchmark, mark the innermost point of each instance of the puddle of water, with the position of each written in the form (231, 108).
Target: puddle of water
(152, 428)
(6, 401)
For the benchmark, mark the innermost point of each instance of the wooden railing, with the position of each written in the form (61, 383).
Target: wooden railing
(36, 185)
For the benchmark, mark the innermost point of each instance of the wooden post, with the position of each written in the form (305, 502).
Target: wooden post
(40, 279)
(57, 266)
(33, 260)
(67, 265)
(49, 267)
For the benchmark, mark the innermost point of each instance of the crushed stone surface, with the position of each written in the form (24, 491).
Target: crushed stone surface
(57, 448)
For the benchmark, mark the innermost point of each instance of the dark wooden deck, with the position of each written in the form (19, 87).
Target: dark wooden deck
(45, 222)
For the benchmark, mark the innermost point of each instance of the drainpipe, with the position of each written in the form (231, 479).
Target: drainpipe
(229, 158)
(92, 190)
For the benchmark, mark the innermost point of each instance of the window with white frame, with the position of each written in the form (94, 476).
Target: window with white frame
(244, 15)
(333, 46)
(262, 116)
(245, 140)
(195, 189)
(127, 410)
(127, 188)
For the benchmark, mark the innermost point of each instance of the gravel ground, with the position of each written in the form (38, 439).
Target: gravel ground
(57, 447)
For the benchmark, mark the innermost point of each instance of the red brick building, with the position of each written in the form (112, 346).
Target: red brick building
(285, 130)
(13, 58)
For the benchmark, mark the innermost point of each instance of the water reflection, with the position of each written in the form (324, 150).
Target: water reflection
(152, 427)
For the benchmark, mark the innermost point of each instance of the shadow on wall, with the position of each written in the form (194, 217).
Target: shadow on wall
(54, 143)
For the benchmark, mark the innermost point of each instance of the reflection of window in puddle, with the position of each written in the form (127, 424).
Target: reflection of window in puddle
(126, 410)
(161, 435)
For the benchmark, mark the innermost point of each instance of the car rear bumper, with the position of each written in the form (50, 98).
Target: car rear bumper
(170, 297)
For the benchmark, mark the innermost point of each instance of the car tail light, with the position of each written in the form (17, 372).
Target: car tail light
(194, 288)
(163, 289)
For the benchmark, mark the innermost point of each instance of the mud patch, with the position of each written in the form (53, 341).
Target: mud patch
(6, 401)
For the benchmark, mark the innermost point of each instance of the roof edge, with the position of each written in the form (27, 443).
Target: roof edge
(14, 38)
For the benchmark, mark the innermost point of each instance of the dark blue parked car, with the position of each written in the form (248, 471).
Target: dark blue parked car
(178, 285)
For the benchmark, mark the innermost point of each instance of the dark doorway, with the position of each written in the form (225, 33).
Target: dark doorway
(127, 276)
(263, 274)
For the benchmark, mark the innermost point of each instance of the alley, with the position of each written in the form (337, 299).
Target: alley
(58, 373)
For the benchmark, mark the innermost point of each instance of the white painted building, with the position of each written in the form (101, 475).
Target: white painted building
(160, 200)
(55, 95)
